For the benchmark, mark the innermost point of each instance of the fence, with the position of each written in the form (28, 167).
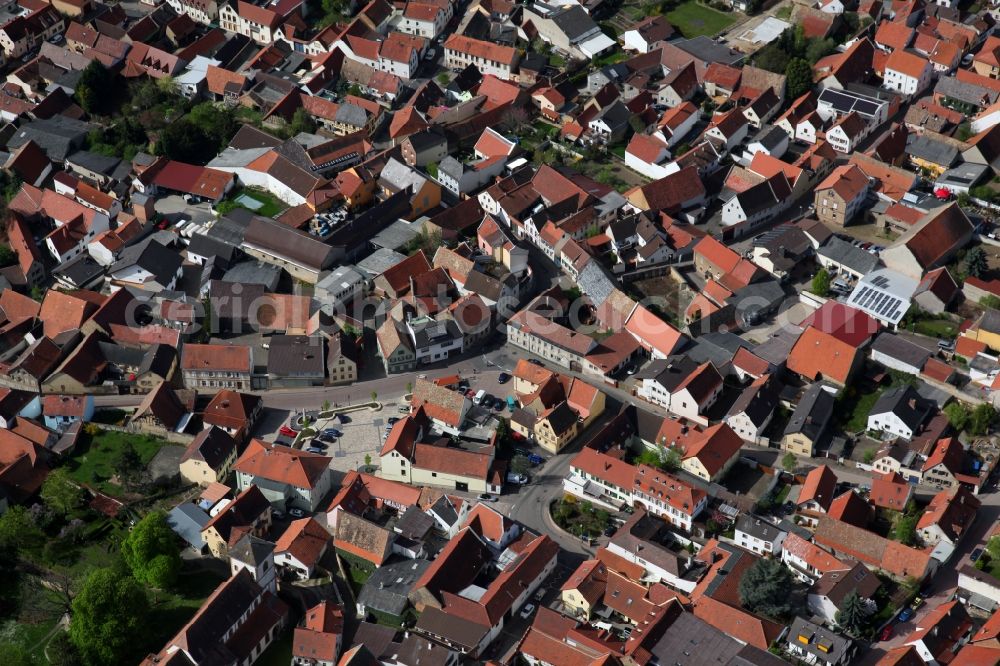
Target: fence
(169, 435)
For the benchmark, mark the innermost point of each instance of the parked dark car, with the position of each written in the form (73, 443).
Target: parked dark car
(503, 378)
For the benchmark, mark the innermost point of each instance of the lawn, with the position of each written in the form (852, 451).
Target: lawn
(278, 653)
(693, 19)
(937, 328)
(270, 205)
(172, 610)
(859, 411)
(93, 461)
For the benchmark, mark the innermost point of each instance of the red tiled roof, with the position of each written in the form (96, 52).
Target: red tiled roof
(295, 467)
(843, 322)
(890, 491)
(819, 486)
(480, 49)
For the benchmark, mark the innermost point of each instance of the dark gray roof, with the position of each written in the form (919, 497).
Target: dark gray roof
(387, 588)
(444, 510)
(377, 639)
(95, 162)
(425, 139)
(949, 86)
(813, 413)
(426, 333)
(641, 531)
(901, 349)
(457, 630)
(187, 520)
(906, 404)
(351, 114)
(414, 524)
(251, 550)
(769, 136)
(690, 641)
(416, 650)
(296, 356)
(836, 647)
(574, 21)
(122, 356)
(669, 372)
(255, 273)
(209, 246)
(57, 136)
(80, 270)
(757, 401)
(151, 256)
(719, 347)
(158, 359)
(840, 251)
(281, 241)
(930, 149)
(757, 528)
(709, 51)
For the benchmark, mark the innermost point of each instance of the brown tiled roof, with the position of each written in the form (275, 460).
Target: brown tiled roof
(230, 409)
(164, 404)
(450, 460)
(819, 486)
(234, 358)
(318, 638)
(305, 539)
(952, 511)
(480, 49)
(363, 538)
(297, 468)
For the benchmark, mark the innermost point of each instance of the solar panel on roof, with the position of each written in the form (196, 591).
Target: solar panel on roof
(866, 108)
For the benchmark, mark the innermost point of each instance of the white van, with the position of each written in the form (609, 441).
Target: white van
(480, 394)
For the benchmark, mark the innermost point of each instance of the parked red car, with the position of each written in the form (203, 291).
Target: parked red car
(886, 633)
(287, 432)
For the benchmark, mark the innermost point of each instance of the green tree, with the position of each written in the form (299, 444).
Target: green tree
(301, 122)
(95, 90)
(981, 418)
(661, 457)
(18, 533)
(821, 282)
(150, 550)
(127, 463)
(520, 464)
(108, 615)
(819, 48)
(799, 77)
(958, 415)
(374, 396)
(993, 548)
(7, 256)
(964, 131)
(772, 58)
(60, 493)
(789, 461)
(905, 529)
(764, 589)
(185, 142)
(869, 456)
(975, 262)
(851, 615)
(990, 301)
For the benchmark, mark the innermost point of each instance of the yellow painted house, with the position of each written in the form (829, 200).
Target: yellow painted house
(582, 593)
(209, 457)
(987, 329)
(556, 427)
